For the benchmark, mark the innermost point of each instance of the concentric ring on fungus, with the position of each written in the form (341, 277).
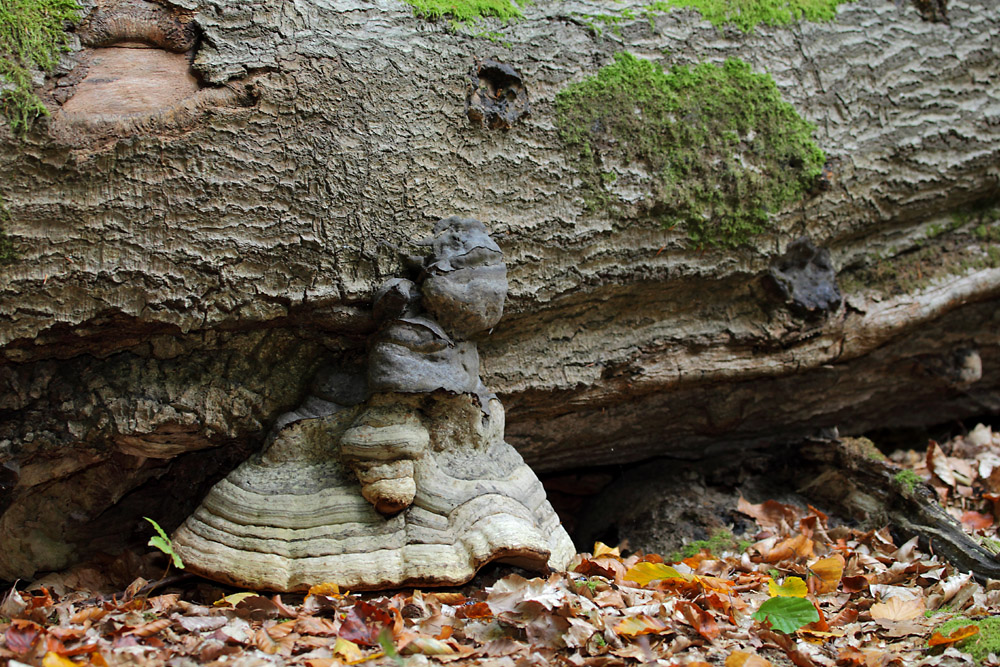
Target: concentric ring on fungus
(134, 74)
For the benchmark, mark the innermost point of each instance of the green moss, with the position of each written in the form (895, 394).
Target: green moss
(721, 149)
(7, 252)
(465, 11)
(979, 646)
(748, 14)
(907, 480)
(32, 35)
(720, 541)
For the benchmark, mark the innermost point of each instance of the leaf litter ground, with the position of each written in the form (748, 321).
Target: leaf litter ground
(806, 592)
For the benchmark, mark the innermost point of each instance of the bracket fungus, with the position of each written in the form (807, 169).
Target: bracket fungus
(407, 483)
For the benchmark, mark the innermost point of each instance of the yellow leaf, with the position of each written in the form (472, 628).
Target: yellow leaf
(234, 599)
(602, 549)
(633, 626)
(826, 574)
(793, 587)
(643, 573)
(55, 660)
(347, 650)
(328, 588)
(897, 609)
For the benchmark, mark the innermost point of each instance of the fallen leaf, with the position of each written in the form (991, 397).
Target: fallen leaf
(744, 659)
(474, 610)
(363, 623)
(786, 614)
(795, 547)
(347, 650)
(825, 574)
(937, 639)
(938, 463)
(55, 660)
(791, 587)
(643, 573)
(974, 521)
(602, 549)
(633, 626)
(234, 599)
(428, 646)
(897, 609)
(22, 635)
(769, 514)
(702, 621)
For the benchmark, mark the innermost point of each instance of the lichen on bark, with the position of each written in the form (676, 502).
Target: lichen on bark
(711, 147)
(32, 35)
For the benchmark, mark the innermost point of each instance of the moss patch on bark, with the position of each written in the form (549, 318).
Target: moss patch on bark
(712, 147)
(32, 35)
(465, 11)
(748, 14)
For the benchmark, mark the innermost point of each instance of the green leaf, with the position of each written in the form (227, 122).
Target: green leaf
(388, 646)
(787, 614)
(164, 544)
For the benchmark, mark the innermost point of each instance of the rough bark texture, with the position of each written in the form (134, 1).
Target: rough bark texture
(184, 273)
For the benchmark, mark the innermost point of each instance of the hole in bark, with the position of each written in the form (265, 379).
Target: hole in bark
(932, 10)
(497, 96)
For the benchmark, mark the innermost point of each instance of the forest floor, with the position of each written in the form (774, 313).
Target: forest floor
(802, 588)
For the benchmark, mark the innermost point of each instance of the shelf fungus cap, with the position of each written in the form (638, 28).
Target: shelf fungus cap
(465, 278)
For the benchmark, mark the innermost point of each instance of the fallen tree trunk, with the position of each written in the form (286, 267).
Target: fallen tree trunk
(188, 259)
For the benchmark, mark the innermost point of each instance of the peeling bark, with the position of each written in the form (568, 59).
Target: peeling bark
(184, 272)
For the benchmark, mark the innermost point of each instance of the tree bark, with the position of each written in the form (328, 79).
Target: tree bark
(184, 273)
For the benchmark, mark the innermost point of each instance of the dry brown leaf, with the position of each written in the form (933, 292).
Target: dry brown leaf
(769, 514)
(898, 609)
(939, 465)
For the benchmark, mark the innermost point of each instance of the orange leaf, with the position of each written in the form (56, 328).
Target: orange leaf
(699, 619)
(976, 521)
(825, 574)
(799, 546)
(476, 610)
(937, 639)
(744, 659)
(633, 626)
